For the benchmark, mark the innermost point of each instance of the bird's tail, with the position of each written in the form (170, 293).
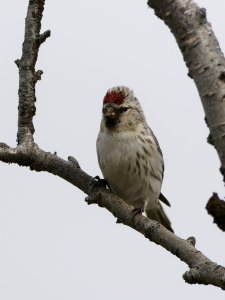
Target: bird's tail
(158, 214)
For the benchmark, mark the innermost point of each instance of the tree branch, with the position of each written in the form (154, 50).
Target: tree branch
(205, 61)
(27, 153)
(216, 208)
(28, 77)
(202, 270)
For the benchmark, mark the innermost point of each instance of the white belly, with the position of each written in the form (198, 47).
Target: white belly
(131, 174)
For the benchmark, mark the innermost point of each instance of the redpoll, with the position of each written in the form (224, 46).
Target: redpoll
(129, 154)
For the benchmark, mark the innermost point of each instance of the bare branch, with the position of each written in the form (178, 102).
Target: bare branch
(204, 60)
(202, 270)
(28, 76)
(38, 160)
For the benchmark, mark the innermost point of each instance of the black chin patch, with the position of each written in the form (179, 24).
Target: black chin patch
(111, 123)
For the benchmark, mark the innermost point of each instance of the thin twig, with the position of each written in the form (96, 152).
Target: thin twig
(202, 270)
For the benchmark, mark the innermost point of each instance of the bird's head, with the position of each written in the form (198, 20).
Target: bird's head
(120, 108)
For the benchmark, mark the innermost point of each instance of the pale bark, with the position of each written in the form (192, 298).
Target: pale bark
(202, 270)
(27, 153)
(206, 65)
(204, 59)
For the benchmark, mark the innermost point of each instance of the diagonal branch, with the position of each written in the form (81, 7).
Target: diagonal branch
(27, 153)
(202, 270)
(205, 61)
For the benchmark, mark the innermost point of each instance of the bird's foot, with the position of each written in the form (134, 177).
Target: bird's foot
(137, 211)
(100, 182)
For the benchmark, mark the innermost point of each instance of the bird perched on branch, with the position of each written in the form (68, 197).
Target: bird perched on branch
(129, 154)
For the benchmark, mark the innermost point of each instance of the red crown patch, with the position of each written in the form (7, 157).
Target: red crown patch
(114, 97)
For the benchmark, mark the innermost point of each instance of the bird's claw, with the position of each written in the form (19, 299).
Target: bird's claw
(100, 182)
(137, 211)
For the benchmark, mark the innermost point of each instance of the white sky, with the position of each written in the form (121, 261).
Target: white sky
(54, 246)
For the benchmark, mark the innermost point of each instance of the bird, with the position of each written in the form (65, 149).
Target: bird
(129, 154)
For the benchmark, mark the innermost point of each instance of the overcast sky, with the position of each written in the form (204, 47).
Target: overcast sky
(54, 246)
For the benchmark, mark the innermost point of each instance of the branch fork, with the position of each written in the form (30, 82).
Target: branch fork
(27, 153)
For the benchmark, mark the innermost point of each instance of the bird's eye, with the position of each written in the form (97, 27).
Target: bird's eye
(123, 109)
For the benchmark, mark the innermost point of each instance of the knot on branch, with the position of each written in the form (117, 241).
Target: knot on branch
(93, 198)
(216, 208)
(41, 38)
(201, 13)
(37, 75)
(206, 273)
(74, 162)
(192, 240)
(196, 275)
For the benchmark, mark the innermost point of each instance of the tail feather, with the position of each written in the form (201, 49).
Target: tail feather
(163, 199)
(159, 215)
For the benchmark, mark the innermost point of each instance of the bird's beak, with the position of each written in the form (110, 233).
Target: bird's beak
(110, 113)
